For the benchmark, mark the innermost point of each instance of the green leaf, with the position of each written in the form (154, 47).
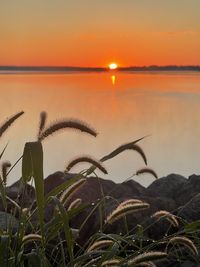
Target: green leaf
(67, 229)
(27, 166)
(32, 166)
(192, 227)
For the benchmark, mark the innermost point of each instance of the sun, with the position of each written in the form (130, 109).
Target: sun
(113, 66)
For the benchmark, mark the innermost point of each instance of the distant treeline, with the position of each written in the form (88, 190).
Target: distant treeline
(97, 69)
(162, 68)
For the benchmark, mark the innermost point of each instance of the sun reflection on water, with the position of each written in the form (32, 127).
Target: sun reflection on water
(113, 79)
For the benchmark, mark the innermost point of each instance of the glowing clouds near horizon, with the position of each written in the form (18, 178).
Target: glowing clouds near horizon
(113, 66)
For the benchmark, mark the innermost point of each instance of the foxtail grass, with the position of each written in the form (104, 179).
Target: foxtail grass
(9, 122)
(61, 125)
(100, 244)
(146, 264)
(128, 146)
(147, 170)
(122, 211)
(111, 263)
(67, 194)
(129, 202)
(182, 240)
(166, 215)
(75, 204)
(31, 238)
(87, 159)
(146, 257)
(42, 123)
(4, 169)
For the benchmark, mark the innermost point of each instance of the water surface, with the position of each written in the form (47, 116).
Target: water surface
(164, 105)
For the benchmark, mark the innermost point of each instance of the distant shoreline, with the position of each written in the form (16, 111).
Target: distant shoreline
(69, 69)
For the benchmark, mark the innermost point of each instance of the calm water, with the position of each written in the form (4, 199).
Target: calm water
(164, 105)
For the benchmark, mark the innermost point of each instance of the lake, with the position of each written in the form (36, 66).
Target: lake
(122, 107)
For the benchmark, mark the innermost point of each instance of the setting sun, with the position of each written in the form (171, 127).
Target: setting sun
(113, 66)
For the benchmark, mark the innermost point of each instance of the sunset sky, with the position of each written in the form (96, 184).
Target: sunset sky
(96, 32)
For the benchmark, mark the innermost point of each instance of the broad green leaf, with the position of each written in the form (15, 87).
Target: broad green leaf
(32, 166)
(27, 167)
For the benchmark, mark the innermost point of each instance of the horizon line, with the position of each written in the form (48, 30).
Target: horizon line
(100, 69)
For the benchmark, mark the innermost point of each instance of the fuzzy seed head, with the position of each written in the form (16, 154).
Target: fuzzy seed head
(167, 215)
(146, 257)
(122, 211)
(4, 169)
(87, 159)
(65, 196)
(147, 170)
(130, 201)
(31, 237)
(9, 122)
(111, 263)
(75, 204)
(185, 242)
(146, 264)
(62, 125)
(100, 244)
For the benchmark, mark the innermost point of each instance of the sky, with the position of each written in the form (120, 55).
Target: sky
(96, 32)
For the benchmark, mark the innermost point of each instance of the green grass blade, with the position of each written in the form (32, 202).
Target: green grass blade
(32, 166)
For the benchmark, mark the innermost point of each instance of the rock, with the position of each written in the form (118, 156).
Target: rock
(8, 221)
(188, 190)
(168, 186)
(191, 210)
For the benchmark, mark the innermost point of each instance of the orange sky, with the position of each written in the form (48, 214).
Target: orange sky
(93, 33)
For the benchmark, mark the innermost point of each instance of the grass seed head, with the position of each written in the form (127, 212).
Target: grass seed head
(100, 244)
(147, 170)
(122, 211)
(75, 204)
(62, 125)
(66, 195)
(9, 122)
(146, 257)
(87, 159)
(4, 169)
(43, 118)
(167, 215)
(185, 242)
